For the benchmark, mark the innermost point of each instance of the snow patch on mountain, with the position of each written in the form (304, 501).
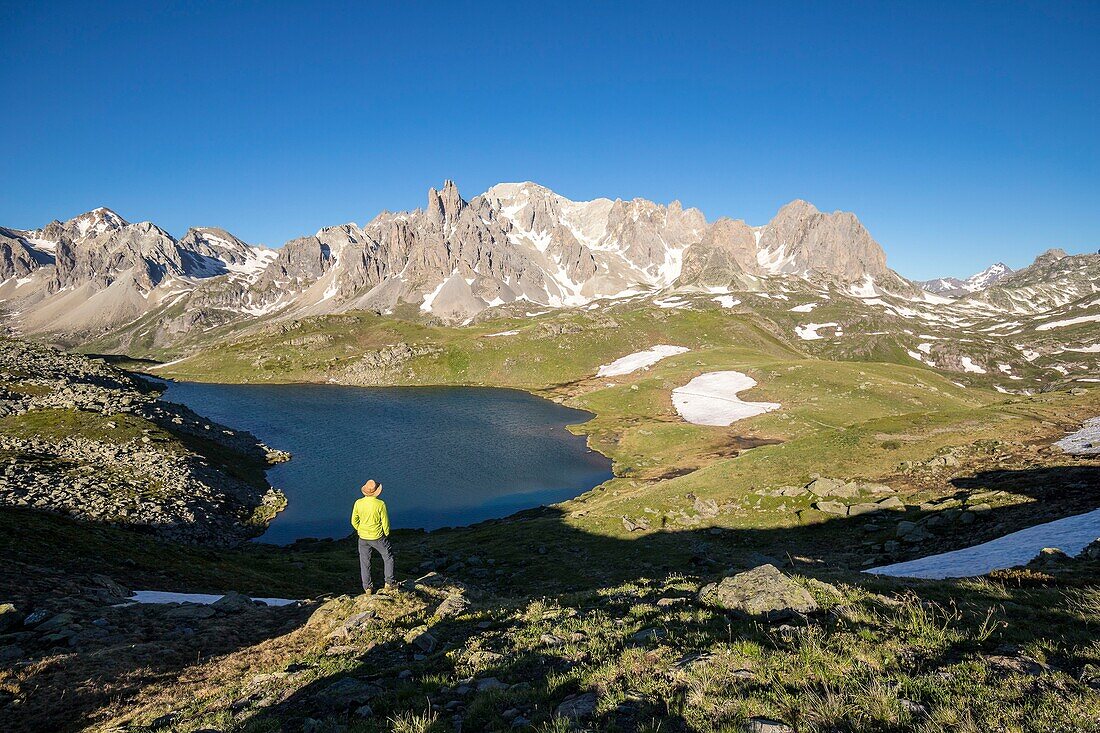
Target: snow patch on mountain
(1068, 322)
(809, 331)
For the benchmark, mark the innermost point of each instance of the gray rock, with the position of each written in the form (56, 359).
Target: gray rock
(766, 725)
(234, 602)
(762, 592)
(490, 683)
(9, 617)
(453, 605)
(421, 638)
(191, 611)
(832, 487)
(831, 507)
(577, 707)
(863, 508)
(346, 693)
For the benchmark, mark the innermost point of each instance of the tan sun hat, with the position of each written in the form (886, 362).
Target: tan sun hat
(371, 488)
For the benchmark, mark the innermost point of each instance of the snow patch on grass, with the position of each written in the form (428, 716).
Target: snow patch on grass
(639, 360)
(711, 399)
(1084, 442)
(1071, 535)
(159, 596)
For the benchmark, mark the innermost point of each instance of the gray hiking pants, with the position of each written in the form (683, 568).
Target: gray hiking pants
(368, 548)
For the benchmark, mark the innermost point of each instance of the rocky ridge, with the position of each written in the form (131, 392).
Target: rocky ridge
(518, 243)
(81, 438)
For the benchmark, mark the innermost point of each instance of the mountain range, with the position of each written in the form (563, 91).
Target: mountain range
(979, 281)
(517, 249)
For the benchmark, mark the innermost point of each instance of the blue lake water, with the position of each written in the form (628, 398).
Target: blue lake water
(446, 456)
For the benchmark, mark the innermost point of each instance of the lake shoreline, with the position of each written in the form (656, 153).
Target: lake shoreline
(533, 489)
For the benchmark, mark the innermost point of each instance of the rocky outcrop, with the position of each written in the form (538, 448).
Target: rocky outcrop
(802, 239)
(17, 258)
(379, 367)
(99, 446)
(725, 254)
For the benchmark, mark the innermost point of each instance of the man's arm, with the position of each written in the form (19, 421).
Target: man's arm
(355, 516)
(385, 521)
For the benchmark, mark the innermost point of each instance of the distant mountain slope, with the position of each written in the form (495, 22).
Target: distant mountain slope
(453, 259)
(817, 280)
(979, 281)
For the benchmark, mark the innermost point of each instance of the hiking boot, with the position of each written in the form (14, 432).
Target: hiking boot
(368, 591)
(390, 589)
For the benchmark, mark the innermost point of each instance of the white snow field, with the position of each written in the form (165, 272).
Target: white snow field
(711, 399)
(726, 301)
(1070, 535)
(1085, 442)
(639, 360)
(159, 596)
(502, 333)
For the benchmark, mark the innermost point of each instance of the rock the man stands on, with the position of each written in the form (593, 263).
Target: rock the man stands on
(372, 523)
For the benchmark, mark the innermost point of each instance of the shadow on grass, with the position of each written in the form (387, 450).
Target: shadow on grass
(540, 554)
(535, 554)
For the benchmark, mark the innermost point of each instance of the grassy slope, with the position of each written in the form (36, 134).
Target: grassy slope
(845, 419)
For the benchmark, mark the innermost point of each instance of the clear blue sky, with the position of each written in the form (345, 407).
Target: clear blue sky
(959, 133)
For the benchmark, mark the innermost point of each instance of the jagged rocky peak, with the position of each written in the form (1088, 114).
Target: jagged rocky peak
(94, 223)
(517, 242)
(988, 276)
(801, 239)
(17, 259)
(1051, 256)
(446, 204)
(723, 257)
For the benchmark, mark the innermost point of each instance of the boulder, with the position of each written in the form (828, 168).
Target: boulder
(1091, 551)
(863, 508)
(1049, 557)
(453, 605)
(346, 693)
(56, 623)
(704, 507)
(762, 592)
(831, 507)
(490, 683)
(577, 707)
(190, 611)
(9, 617)
(832, 487)
(766, 725)
(234, 602)
(421, 638)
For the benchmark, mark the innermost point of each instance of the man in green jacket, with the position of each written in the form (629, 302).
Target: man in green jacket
(371, 522)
